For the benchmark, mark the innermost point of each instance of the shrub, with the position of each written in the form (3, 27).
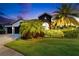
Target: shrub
(54, 33)
(31, 29)
(70, 33)
(2, 31)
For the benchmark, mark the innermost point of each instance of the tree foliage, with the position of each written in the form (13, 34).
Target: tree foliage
(31, 29)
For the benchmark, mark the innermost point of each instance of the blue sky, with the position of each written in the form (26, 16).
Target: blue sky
(27, 11)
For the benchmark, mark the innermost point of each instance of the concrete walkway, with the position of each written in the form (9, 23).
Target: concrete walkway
(5, 51)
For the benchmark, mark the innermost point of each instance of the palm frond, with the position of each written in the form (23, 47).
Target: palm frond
(63, 15)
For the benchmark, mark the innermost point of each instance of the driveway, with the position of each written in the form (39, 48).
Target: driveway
(5, 51)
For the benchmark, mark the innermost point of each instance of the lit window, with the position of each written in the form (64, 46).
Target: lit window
(46, 25)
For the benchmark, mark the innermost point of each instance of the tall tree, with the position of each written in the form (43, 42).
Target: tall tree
(64, 16)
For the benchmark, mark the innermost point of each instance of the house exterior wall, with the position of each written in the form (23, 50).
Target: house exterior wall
(8, 26)
(45, 26)
(16, 24)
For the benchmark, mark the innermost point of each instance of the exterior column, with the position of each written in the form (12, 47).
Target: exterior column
(5, 30)
(13, 30)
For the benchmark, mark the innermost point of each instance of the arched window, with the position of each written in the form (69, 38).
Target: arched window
(45, 25)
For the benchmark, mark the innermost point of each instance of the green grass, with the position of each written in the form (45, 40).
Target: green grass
(46, 47)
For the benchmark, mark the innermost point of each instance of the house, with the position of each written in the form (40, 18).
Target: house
(10, 26)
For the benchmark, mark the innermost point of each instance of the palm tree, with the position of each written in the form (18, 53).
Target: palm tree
(64, 16)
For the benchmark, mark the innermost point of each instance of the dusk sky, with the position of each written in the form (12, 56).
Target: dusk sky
(27, 11)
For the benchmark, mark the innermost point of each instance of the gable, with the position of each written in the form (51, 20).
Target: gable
(45, 17)
(16, 24)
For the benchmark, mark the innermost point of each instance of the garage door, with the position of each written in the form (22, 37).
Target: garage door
(9, 30)
(16, 30)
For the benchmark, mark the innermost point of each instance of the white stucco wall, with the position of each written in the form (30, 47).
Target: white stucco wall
(77, 18)
(8, 26)
(45, 25)
(16, 24)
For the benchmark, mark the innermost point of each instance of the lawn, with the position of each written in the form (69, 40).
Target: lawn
(46, 47)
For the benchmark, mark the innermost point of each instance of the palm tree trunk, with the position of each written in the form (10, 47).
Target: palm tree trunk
(50, 25)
